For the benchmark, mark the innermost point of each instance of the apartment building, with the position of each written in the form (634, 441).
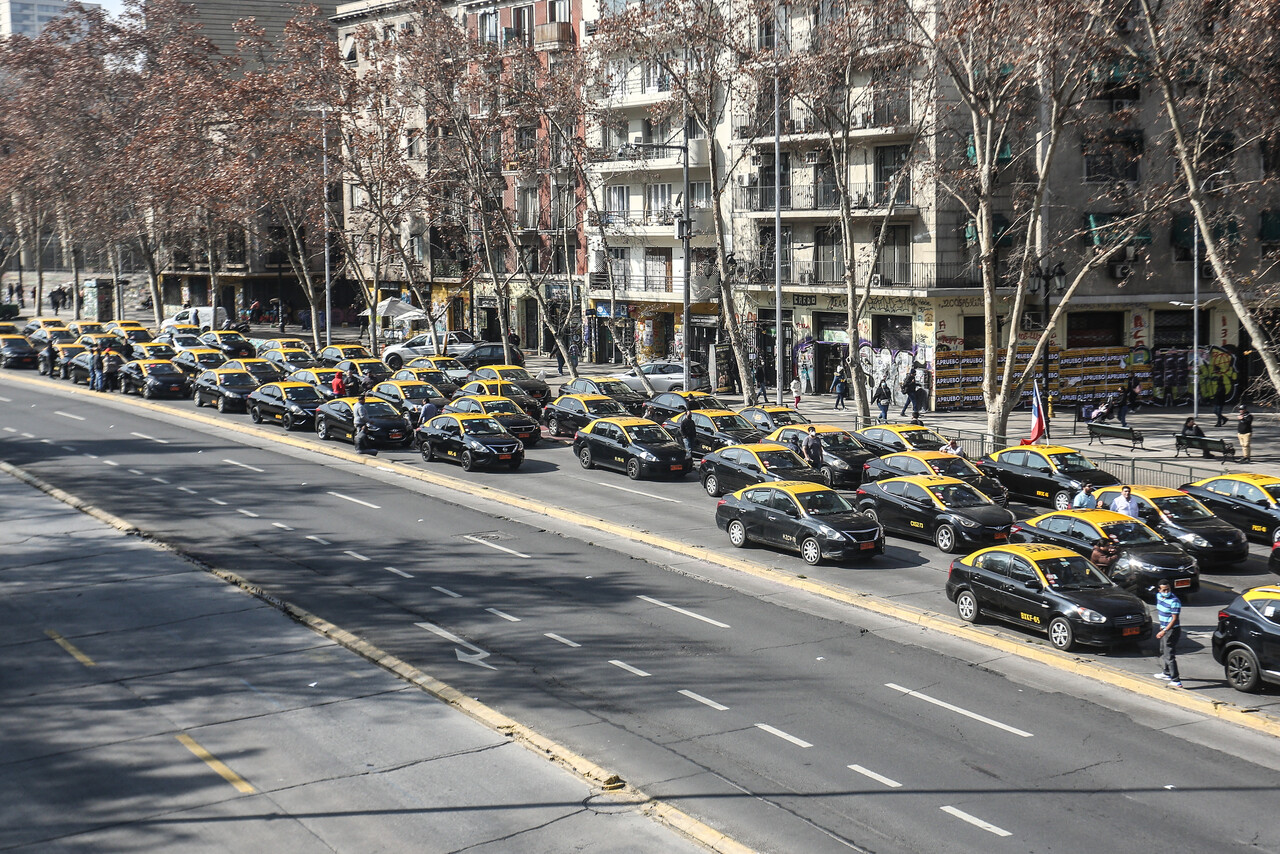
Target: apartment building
(22, 18)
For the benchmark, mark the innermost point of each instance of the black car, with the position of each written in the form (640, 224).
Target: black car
(43, 335)
(489, 353)
(193, 362)
(844, 457)
(153, 378)
(534, 387)
(332, 355)
(618, 390)
(320, 377)
(812, 519)
(80, 368)
(409, 396)
(293, 404)
(501, 388)
(1247, 640)
(1249, 501)
(571, 412)
(768, 417)
(62, 356)
(505, 411)
(637, 446)
(260, 369)
(17, 352)
(948, 511)
(667, 405)
(1049, 589)
(935, 462)
(437, 379)
(715, 428)
(890, 438)
(1044, 474)
(471, 439)
(1181, 519)
(132, 334)
(290, 360)
(737, 466)
(1273, 562)
(1145, 558)
(335, 419)
(224, 389)
(231, 344)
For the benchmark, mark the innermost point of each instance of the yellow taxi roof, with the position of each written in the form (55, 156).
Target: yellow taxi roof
(221, 333)
(795, 487)
(13, 338)
(250, 360)
(772, 407)
(205, 351)
(713, 413)
(923, 479)
(87, 324)
(922, 456)
(348, 347)
(1044, 449)
(1035, 552)
(469, 416)
(290, 384)
(1146, 491)
(222, 372)
(757, 447)
(690, 394)
(1267, 591)
(1244, 477)
(365, 360)
(1093, 517)
(184, 327)
(817, 428)
(583, 398)
(291, 351)
(146, 363)
(68, 345)
(132, 324)
(625, 421)
(501, 368)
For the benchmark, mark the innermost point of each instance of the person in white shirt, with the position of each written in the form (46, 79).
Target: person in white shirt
(953, 447)
(1125, 503)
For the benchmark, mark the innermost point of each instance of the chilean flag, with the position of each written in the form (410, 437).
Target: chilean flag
(1039, 424)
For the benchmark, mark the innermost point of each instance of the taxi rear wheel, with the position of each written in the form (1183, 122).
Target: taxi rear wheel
(553, 424)
(870, 513)
(468, 461)
(811, 551)
(322, 429)
(255, 414)
(1061, 635)
(945, 538)
(1241, 670)
(1062, 500)
(967, 606)
(737, 534)
(633, 469)
(585, 458)
(711, 484)
(222, 403)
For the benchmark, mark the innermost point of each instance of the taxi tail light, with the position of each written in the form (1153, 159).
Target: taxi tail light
(1015, 529)
(721, 502)
(861, 491)
(1222, 615)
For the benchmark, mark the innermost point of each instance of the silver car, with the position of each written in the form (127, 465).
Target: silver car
(666, 376)
(455, 343)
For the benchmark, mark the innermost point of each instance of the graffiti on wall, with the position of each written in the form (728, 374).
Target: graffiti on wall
(892, 366)
(1171, 369)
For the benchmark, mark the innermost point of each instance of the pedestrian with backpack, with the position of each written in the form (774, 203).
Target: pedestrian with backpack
(908, 389)
(882, 397)
(841, 388)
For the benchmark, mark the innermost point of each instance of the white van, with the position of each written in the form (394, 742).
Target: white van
(210, 317)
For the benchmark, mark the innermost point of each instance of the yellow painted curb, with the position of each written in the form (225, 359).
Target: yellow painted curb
(558, 754)
(1256, 720)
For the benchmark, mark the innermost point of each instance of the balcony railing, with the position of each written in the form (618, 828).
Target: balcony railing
(632, 283)
(820, 197)
(553, 35)
(891, 273)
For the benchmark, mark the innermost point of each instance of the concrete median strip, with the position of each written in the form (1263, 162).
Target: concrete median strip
(1024, 648)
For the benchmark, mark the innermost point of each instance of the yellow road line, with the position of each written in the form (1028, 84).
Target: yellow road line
(71, 648)
(219, 767)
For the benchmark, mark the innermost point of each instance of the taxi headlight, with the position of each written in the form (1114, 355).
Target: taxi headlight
(830, 533)
(647, 456)
(476, 445)
(231, 395)
(1090, 616)
(966, 522)
(1075, 484)
(836, 462)
(295, 409)
(1194, 539)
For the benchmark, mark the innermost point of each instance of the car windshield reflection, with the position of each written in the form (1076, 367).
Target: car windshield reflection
(821, 503)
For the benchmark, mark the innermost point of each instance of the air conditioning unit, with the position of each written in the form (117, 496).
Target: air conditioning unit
(806, 278)
(1207, 271)
(859, 121)
(861, 200)
(757, 160)
(744, 180)
(1118, 104)
(1120, 271)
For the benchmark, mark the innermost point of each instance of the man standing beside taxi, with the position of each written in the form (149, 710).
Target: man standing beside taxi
(1169, 616)
(1125, 503)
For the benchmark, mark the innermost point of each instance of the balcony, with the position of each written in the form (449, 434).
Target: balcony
(669, 288)
(618, 158)
(889, 273)
(640, 89)
(660, 223)
(553, 36)
(821, 197)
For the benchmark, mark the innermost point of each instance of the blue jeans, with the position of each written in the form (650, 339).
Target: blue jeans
(884, 410)
(1120, 413)
(95, 380)
(839, 399)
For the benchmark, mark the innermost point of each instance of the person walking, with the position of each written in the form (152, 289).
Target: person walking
(195, 318)
(762, 382)
(883, 397)
(1190, 428)
(841, 388)
(908, 389)
(95, 370)
(1219, 401)
(559, 359)
(795, 391)
(360, 420)
(1169, 618)
(1125, 503)
(1121, 398)
(111, 363)
(688, 431)
(428, 411)
(574, 353)
(812, 449)
(1244, 432)
(1085, 499)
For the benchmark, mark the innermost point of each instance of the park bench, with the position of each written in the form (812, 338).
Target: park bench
(1114, 431)
(1203, 443)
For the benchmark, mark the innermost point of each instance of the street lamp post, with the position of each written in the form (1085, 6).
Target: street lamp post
(1054, 279)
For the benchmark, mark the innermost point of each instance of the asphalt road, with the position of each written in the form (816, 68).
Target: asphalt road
(789, 723)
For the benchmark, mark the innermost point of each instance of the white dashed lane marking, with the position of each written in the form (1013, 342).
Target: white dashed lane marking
(627, 667)
(879, 778)
(504, 615)
(282, 526)
(975, 821)
(446, 591)
(481, 542)
(68, 415)
(687, 613)
(246, 466)
(557, 638)
(356, 555)
(959, 711)
(397, 572)
(218, 501)
(704, 700)
(355, 500)
(321, 540)
(248, 513)
(150, 438)
(785, 736)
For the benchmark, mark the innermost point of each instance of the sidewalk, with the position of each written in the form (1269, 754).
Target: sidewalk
(150, 705)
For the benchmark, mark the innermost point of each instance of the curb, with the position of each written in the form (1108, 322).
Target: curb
(1027, 649)
(554, 752)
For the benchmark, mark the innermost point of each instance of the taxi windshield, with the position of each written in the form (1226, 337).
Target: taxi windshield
(613, 387)
(136, 334)
(731, 422)
(432, 377)
(786, 417)
(838, 440)
(236, 378)
(374, 369)
(779, 459)
(605, 407)
(377, 408)
(1071, 462)
(260, 368)
(300, 356)
(60, 335)
(922, 440)
(301, 393)
(187, 341)
(208, 358)
(161, 370)
(514, 374)
(17, 342)
(824, 503)
(1071, 573)
(1272, 489)
(1182, 508)
(231, 336)
(352, 352)
(326, 376)
(1130, 533)
(502, 407)
(482, 427)
(506, 389)
(707, 402)
(449, 365)
(953, 467)
(959, 495)
(417, 392)
(161, 351)
(649, 434)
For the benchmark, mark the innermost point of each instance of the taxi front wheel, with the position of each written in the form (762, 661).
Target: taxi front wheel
(711, 484)
(428, 453)
(1061, 634)
(468, 461)
(737, 534)
(967, 606)
(633, 469)
(945, 538)
(553, 424)
(255, 415)
(1062, 500)
(811, 551)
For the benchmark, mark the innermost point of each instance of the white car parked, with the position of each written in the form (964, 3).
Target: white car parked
(454, 342)
(665, 376)
(209, 317)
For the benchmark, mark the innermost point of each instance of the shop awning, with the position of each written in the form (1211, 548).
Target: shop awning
(1270, 227)
(999, 224)
(1107, 229)
(1182, 233)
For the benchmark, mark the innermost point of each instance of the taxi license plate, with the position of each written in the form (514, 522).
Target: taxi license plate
(522, 435)
(175, 388)
(504, 456)
(677, 468)
(1000, 535)
(1182, 582)
(865, 546)
(397, 435)
(1129, 632)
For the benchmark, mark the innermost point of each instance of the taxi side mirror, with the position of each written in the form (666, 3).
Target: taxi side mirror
(791, 512)
(1033, 584)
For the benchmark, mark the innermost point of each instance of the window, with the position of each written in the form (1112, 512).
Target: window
(1095, 329)
(828, 254)
(528, 257)
(521, 26)
(1173, 329)
(894, 266)
(558, 11)
(620, 264)
(700, 195)
(413, 143)
(1112, 157)
(487, 27)
(526, 139)
(892, 164)
(766, 34)
(891, 331)
(975, 332)
(618, 202)
(657, 201)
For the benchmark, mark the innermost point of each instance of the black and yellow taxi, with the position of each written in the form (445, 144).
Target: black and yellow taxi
(132, 334)
(808, 518)
(889, 438)
(270, 344)
(43, 323)
(1145, 557)
(452, 368)
(17, 352)
(569, 413)
(534, 387)
(192, 362)
(638, 446)
(471, 439)
(261, 370)
(1246, 641)
(1044, 474)
(151, 350)
(100, 340)
(9, 329)
(1247, 500)
(153, 378)
(843, 455)
(62, 355)
(736, 466)
(715, 428)
(320, 377)
(409, 396)
(1049, 589)
(665, 406)
(290, 404)
(504, 410)
(369, 371)
(232, 344)
(1181, 519)
(769, 417)
(223, 388)
(290, 360)
(432, 377)
(935, 462)
(335, 353)
(336, 419)
(88, 327)
(124, 327)
(503, 388)
(57, 334)
(956, 516)
(609, 387)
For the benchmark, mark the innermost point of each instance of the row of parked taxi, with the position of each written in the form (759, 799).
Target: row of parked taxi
(898, 479)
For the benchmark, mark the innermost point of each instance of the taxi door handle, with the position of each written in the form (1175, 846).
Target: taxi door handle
(772, 518)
